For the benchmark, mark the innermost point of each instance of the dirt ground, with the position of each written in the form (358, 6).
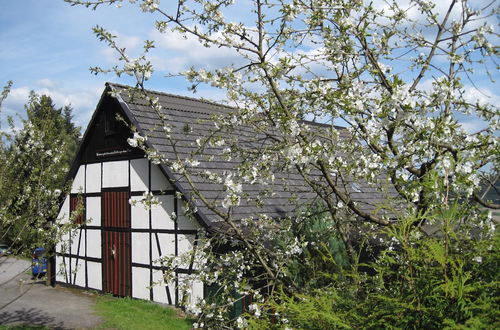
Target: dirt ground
(30, 302)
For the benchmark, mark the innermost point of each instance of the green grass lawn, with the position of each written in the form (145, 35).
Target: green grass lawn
(126, 313)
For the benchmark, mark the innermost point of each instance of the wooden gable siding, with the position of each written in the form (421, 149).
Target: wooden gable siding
(107, 137)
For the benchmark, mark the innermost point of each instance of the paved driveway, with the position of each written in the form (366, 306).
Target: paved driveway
(32, 302)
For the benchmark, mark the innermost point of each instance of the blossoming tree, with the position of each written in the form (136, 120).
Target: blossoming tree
(398, 75)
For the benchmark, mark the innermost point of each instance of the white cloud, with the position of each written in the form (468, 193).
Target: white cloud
(111, 56)
(17, 97)
(47, 83)
(183, 53)
(130, 43)
(472, 126)
(472, 94)
(481, 95)
(215, 95)
(82, 100)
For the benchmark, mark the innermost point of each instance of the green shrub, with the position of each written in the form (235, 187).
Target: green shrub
(445, 280)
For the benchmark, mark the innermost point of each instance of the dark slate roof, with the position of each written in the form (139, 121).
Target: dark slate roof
(288, 190)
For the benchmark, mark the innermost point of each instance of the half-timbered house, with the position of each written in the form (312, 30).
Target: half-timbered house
(116, 247)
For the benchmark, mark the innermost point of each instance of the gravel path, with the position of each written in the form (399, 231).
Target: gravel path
(33, 303)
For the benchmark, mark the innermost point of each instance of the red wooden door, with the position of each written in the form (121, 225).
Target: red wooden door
(117, 270)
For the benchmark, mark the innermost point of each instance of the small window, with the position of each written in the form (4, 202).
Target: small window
(110, 123)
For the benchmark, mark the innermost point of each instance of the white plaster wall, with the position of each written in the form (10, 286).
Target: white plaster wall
(140, 248)
(159, 291)
(93, 211)
(60, 269)
(185, 243)
(197, 291)
(94, 270)
(195, 288)
(58, 247)
(139, 174)
(64, 244)
(140, 216)
(93, 178)
(140, 283)
(78, 268)
(115, 174)
(94, 240)
(79, 180)
(161, 214)
(71, 270)
(63, 215)
(158, 180)
(78, 237)
(184, 222)
(167, 245)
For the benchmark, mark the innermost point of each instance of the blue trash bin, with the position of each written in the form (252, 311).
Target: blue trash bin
(39, 263)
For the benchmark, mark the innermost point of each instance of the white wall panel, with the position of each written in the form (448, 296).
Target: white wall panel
(94, 271)
(93, 211)
(139, 174)
(64, 211)
(79, 180)
(167, 246)
(59, 247)
(140, 216)
(186, 243)
(140, 283)
(115, 174)
(76, 267)
(78, 242)
(61, 269)
(194, 288)
(199, 262)
(93, 178)
(161, 214)
(159, 290)
(158, 180)
(64, 244)
(197, 291)
(79, 271)
(184, 222)
(94, 243)
(140, 248)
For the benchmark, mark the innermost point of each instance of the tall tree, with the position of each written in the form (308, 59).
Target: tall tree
(38, 159)
(3, 150)
(396, 73)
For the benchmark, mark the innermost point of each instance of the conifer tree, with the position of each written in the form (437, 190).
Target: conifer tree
(37, 162)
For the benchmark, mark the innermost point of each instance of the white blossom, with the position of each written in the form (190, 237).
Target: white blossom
(136, 140)
(150, 5)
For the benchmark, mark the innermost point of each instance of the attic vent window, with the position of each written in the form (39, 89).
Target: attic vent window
(356, 187)
(109, 123)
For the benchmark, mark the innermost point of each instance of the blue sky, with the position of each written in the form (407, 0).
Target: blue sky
(48, 46)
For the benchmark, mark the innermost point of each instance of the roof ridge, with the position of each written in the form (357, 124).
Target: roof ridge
(315, 123)
(175, 95)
